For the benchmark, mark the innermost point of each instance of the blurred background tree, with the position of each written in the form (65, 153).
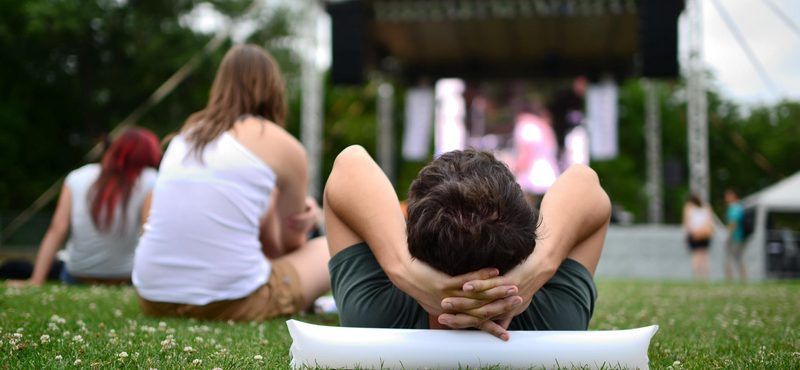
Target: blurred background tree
(72, 70)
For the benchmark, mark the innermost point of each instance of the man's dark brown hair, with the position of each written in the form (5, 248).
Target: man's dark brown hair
(467, 212)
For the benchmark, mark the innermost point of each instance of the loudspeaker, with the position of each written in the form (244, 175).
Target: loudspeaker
(658, 27)
(349, 23)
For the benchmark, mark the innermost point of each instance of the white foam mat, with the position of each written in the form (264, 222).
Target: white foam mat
(346, 348)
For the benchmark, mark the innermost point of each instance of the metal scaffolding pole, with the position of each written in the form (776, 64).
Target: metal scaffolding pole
(697, 105)
(655, 189)
(386, 134)
(312, 95)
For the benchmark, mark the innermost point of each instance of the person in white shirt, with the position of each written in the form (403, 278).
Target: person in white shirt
(227, 234)
(699, 227)
(102, 208)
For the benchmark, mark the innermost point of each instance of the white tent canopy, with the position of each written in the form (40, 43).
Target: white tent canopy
(783, 196)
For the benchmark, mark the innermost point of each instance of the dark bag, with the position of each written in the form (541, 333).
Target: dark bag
(749, 221)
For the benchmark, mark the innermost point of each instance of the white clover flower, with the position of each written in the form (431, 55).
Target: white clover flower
(197, 361)
(171, 331)
(58, 358)
(162, 324)
(188, 349)
(198, 339)
(77, 362)
(676, 363)
(258, 357)
(117, 313)
(77, 338)
(20, 330)
(122, 355)
(92, 306)
(112, 333)
(217, 368)
(52, 326)
(66, 333)
(80, 323)
(16, 335)
(45, 338)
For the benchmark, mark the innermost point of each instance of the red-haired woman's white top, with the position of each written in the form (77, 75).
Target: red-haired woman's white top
(103, 254)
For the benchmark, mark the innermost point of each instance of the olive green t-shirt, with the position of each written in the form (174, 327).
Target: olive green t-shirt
(366, 297)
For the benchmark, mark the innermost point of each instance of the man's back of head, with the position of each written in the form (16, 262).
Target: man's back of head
(467, 212)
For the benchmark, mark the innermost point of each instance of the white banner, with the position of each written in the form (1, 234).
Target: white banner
(602, 117)
(418, 128)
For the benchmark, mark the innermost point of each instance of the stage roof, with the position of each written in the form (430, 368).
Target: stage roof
(501, 38)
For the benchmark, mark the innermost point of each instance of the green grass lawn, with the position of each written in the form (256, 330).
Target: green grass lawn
(702, 326)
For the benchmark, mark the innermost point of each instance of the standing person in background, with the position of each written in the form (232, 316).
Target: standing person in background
(734, 248)
(699, 227)
(567, 110)
(227, 233)
(102, 208)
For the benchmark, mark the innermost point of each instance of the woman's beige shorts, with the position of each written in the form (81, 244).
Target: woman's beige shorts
(281, 295)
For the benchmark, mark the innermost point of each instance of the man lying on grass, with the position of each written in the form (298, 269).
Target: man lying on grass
(466, 258)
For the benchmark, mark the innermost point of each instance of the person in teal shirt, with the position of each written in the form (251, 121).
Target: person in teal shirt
(735, 246)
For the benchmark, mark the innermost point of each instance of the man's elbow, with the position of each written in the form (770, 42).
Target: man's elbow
(350, 157)
(585, 173)
(349, 162)
(589, 178)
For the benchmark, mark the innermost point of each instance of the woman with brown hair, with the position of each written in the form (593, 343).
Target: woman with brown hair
(227, 233)
(699, 227)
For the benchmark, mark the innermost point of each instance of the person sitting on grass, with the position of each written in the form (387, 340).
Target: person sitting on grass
(227, 237)
(472, 253)
(102, 208)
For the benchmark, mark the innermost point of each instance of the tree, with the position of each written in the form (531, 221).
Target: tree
(72, 70)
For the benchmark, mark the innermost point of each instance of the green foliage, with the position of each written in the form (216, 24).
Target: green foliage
(774, 132)
(72, 70)
(752, 326)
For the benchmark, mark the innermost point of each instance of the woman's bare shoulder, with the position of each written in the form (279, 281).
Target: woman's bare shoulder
(269, 141)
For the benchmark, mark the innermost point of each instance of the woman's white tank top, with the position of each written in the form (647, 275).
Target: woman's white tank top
(201, 241)
(698, 217)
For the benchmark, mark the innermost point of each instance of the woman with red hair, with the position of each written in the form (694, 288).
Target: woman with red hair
(102, 208)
